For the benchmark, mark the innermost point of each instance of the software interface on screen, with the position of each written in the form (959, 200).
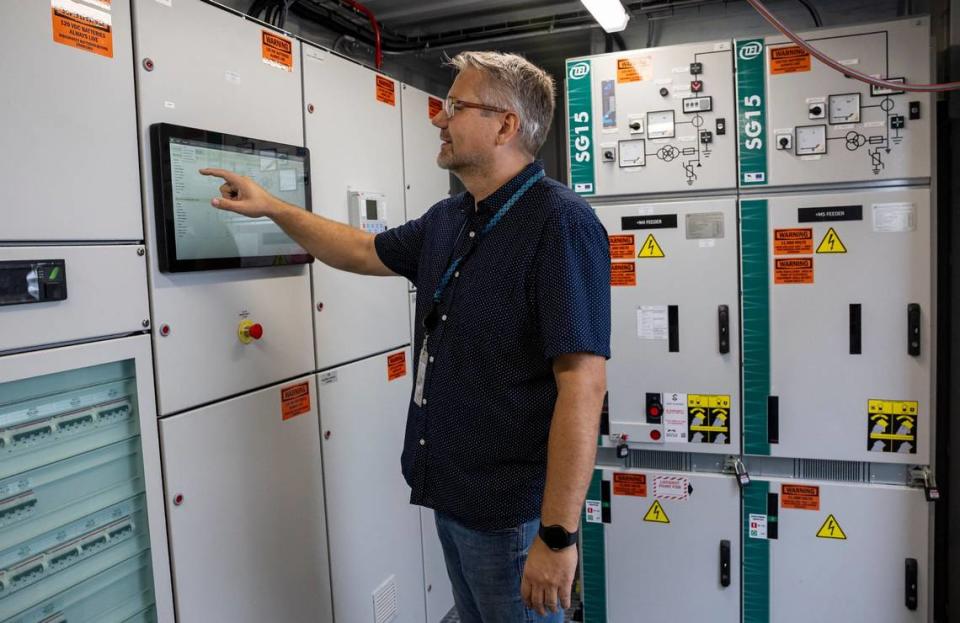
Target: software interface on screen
(204, 232)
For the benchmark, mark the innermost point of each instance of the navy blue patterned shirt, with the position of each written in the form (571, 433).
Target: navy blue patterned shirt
(537, 286)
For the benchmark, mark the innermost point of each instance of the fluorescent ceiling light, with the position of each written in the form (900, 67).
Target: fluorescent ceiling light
(610, 14)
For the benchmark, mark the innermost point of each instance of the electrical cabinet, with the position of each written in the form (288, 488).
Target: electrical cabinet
(425, 183)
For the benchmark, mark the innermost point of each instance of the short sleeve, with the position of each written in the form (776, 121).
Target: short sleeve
(572, 283)
(399, 248)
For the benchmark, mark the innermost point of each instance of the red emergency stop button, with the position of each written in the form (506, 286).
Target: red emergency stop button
(248, 331)
(256, 331)
(655, 435)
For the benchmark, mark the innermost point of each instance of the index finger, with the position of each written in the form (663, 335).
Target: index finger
(229, 176)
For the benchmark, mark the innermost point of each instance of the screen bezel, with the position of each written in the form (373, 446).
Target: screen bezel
(160, 135)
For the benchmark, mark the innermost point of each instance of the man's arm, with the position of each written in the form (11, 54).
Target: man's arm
(335, 244)
(571, 451)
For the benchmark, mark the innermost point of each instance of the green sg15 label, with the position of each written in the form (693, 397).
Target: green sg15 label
(751, 111)
(580, 126)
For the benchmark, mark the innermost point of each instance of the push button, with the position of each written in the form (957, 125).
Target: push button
(249, 331)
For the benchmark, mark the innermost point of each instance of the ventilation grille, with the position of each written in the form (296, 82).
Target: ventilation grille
(649, 459)
(844, 471)
(385, 606)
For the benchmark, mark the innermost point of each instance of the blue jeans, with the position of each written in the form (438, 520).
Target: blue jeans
(485, 570)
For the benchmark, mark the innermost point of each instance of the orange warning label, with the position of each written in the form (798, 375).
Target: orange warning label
(623, 247)
(82, 29)
(295, 400)
(794, 270)
(434, 106)
(792, 241)
(277, 51)
(789, 60)
(800, 497)
(623, 274)
(396, 366)
(386, 91)
(633, 69)
(630, 484)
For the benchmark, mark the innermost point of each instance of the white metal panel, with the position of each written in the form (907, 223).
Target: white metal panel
(697, 275)
(356, 144)
(671, 571)
(106, 295)
(425, 182)
(864, 150)
(249, 539)
(212, 76)
(631, 87)
(69, 156)
(374, 531)
(38, 363)
(437, 581)
(823, 390)
(859, 578)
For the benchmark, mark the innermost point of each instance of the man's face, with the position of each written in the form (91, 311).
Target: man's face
(469, 139)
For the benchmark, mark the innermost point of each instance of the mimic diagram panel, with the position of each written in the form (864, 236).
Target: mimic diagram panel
(365, 179)
(674, 382)
(838, 325)
(802, 122)
(670, 548)
(659, 120)
(425, 183)
(827, 551)
(69, 156)
(224, 327)
(245, 493)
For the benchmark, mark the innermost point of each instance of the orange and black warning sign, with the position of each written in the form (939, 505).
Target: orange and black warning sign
(623, 247)
(434, 106)
(792, 241)
(295, 400)
(82, 27)
(630, 484)
(386, 91)
(277, 50)
(789, 60)
(800, 497)
(623, 274)
(793, 270)
(396, 366)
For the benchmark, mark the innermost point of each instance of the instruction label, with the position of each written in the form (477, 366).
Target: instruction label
(789, 60)
(594, 511)
(634, 69)
(793, 271)
(831, 530)
(792, 241)
(831, 243)
(800, 497)
(630, 484)
(623, 274)
(708, 418)
(434, 106)
(758, 526)
(653, 322)
(671, 488)
(396, 366)
(675, 418)
(656, 514)
(892, 426)
(82, 26)
(295, 400)
(386, 90)
(651, 248)
(277, 51)
(623, 247)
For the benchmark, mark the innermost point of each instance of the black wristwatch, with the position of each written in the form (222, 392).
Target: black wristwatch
(557, 537)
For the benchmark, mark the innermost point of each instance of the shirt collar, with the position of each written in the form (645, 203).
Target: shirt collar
(500, 196)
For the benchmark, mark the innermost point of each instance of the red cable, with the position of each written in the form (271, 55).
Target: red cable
(852, 73)
(378, 46)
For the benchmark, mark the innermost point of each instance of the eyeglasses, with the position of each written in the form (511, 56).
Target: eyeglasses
(451, 105)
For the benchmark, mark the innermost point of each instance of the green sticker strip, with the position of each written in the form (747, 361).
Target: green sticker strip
(751, 59)
(594, 581)
(580, 126)
(756, 325)
(756, 557)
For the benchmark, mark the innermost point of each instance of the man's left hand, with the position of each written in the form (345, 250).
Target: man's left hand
(548, 577)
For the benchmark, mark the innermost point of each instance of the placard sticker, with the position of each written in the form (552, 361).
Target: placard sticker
(82, 26)
(831, 530)
(708, 418)
(386, 90)
(630, 484)
(671, 488)
(434, 106)
(800, 497)
(635, 69)
(594, 512)
(894, 217)
(328, 378)
(789, 60)
(656, 514)
(396, 366)
(623, 273)
(789, 271)
(622, 246)
(892, 426)
(793, 241)
(652, 322)
(651, 248)
(708, 225)
(758, 526)
(675, 418)
(277, 50)
(295, 400)
(831, 243)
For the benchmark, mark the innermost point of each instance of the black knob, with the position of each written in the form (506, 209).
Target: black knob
(816, 111)
(635, 125)
(664, 92)
(784, 141)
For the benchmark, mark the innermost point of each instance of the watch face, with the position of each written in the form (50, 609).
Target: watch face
(555, 537)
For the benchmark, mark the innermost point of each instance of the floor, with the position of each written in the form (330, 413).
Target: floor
(453, 617)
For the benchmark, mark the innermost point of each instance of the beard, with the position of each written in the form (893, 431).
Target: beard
(451, 161)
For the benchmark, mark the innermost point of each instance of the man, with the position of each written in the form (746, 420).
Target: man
(513, 332)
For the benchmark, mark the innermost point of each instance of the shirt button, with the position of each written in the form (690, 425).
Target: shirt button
(431, 358)
(424, 401)
(456, 274)
(423, 442)
(472, 234)
(443, 317)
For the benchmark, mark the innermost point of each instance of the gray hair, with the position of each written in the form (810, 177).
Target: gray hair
(513, 82)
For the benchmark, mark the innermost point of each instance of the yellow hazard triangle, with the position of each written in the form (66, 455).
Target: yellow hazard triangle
(651, 248)
(831, 243)
(831, 530)
(656, 514)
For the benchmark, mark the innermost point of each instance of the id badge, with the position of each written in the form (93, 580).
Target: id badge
(421, 374)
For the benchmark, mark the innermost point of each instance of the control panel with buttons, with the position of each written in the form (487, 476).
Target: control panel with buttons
(34, 281)
(368, 211)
